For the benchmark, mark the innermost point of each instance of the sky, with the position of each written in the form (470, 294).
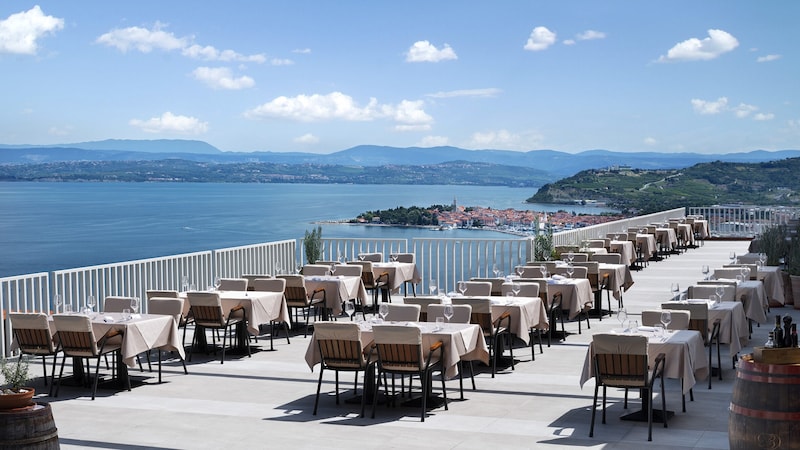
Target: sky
(323, 76)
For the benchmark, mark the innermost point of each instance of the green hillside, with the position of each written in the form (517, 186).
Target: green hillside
(645, 191)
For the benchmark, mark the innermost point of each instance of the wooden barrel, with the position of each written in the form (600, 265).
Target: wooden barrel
(765, 408)
(28, 428)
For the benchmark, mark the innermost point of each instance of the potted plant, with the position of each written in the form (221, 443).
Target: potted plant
(15, 393)
(772, 242)
(312, 243)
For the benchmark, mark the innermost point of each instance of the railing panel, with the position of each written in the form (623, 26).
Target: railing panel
(334, 249)
(266, 258)
(742, 220)
(23, 293)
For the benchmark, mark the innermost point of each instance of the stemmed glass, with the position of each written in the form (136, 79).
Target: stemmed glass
(543, 269)
(666, 318)
(720, 291)
(570, 270)
(432, 287)
(58, 299)
(383, 311)
(520, 270)
(675, 289)
(622, 317)
(185, 283)
(570, 257)
(90, 302)
(495, 270)
(349, 309)
(762, 258)
(732, 257)
(361, 257)
(333, 269)
(705, 271)
(745, 273)
(135, 304)
(218, 282)
(393, 257)
(515, 288)
(462, 287)
(448, 311)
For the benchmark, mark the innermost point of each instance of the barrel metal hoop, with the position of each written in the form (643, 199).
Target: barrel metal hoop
(761, 414)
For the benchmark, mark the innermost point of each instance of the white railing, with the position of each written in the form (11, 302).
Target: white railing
(334, 249)
(743, 221)
(256, 259)
(574, 237)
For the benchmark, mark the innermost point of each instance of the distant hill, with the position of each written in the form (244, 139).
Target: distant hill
(644, 191)
(554, 164)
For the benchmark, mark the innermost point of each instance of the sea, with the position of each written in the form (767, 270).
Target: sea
(46, 226)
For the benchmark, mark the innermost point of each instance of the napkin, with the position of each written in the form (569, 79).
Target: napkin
(644, 328)
(557, 277)
(136, 316)
(108, 319)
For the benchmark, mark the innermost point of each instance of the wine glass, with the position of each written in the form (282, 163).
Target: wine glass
(675, 289)
(570, 257)
(58, 300)
(515, 288)
(732, 257)
(90, 302)
(462, 287)
(432, 287)
(135, 304)
(543, 269)
(393, 257)
(361, 257)
(622, 316)
(666, 318)
(495, 270)
(333, 269)
(383, 311)
(218, 282)
(185, 283)
(448, 312)
(762, 258)
(745, 273)
(349, 309)
(520, 270)
(570, 270)
(705, 271)
(720, 291)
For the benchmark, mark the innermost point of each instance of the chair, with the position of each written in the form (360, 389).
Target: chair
(461, 314)
(532, 272)
(680, 319)
(704, 291)
(33, 337)
(495, 282)
(316, 270)
(348, 270)
(579, 272)
(268, 284)
(151, 293)
(752, 267)
(580, 257)
(607, 258)
(493, 330)
(478, 289)
(376, 283)
(206, 310)
(403, 313)
(169, 307)
(232, 284)
(340, 350)
(371, 257)
(114, 303)
(76, 339)
(698, 320)
(399, 351)
(298, 298)
(424, 303)
(562, 250)
(621, 361)
(408, 258)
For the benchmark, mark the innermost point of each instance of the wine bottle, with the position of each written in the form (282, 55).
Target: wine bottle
(794, 335)
(777, 332)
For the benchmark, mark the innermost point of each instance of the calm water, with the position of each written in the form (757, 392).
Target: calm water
(51, 226)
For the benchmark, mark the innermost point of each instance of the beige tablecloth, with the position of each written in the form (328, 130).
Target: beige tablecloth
(625, 249)
(142, 333)
(262, 307)
(462, 341)
(399, 273)
(338, 289)
(575, 293)
(773, 283)
(685, 357)
(620, 278)
(525, 313)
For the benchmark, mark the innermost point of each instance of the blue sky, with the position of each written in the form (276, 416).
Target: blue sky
(323, 76)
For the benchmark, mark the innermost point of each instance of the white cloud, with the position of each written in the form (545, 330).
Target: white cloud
(424, 51)
(710, 107)
(302, 50)
(744, 110)
(222, 78)
(410, 115)
(169, 122)
(281, 62)
(62, 131)
(768, 58)
(540, 39)
(146, 40)
(433, 141)
(486, 92)
(650, 141)
(590, 35)
(307, 138)
(694, 49)
(20, 32)
(569, 42)
(764, 116)
(504, 139)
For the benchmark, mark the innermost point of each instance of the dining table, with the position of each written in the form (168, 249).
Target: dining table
(733, 327)
(524, 313)
(773, 283)
(685, 359)
(399, 273)
(668, 237)
(338, 289)
(626, 250)
(648, 243)
(620, 278)
(576, 293)
(461, 342)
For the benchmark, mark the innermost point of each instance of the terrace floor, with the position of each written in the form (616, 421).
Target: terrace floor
(266, 400)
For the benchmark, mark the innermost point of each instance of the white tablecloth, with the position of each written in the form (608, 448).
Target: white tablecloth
(575, 293)
(142, 333)
(262, 307)
(338, 289)
(398, 272)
